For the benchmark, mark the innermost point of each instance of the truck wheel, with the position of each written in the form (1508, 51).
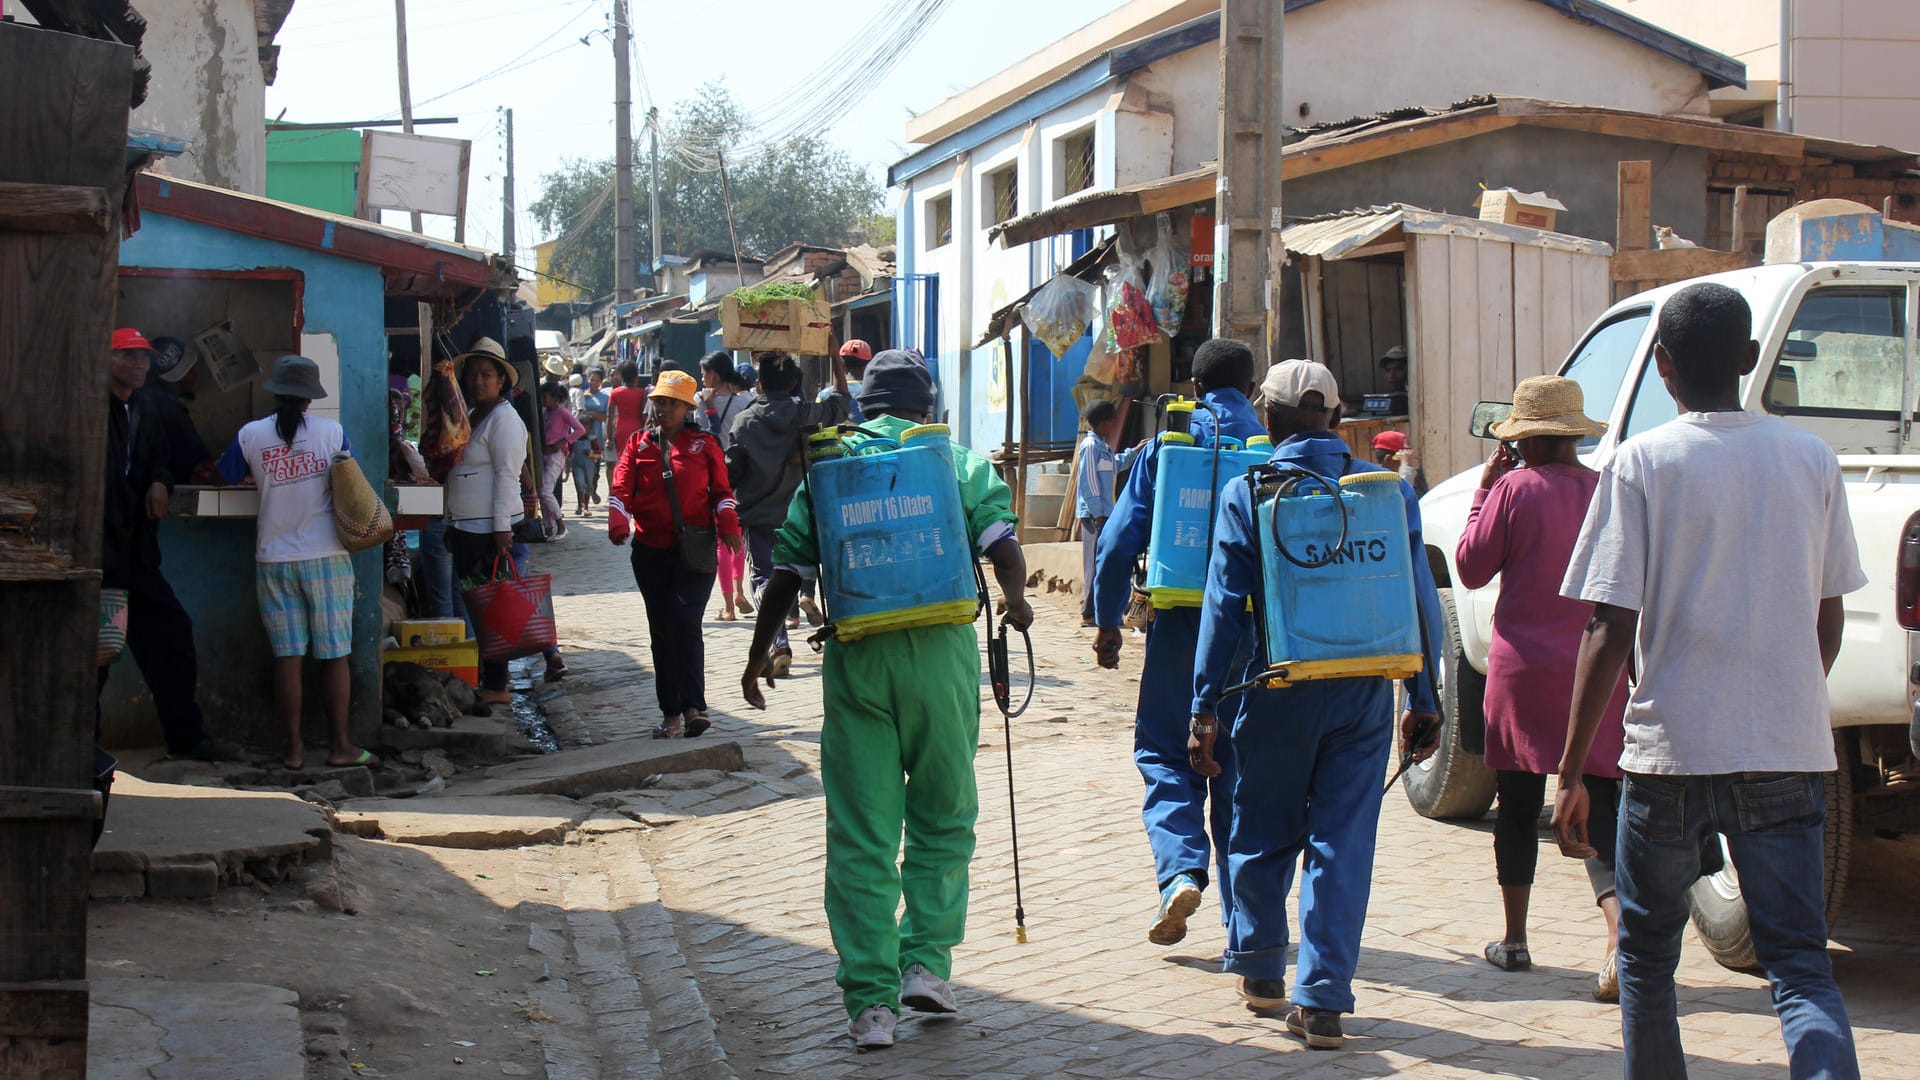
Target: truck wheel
(1719, 913)
(1454, 782)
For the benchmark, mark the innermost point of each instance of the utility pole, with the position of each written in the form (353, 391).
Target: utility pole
(1248, 253)
(653, 187)
(506, 201)
(406, 88)
(622, 161)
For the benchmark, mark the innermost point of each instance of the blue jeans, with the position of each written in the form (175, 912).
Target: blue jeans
(434, 565)
(1774, 824)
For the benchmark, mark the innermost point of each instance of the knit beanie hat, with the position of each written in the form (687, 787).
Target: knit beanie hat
(895, 382)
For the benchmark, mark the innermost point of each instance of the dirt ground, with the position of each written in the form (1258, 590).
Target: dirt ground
(433, 956)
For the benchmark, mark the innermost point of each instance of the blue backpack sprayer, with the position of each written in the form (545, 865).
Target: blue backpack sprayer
(1336, 597)
(1186, 487)
(895, 552)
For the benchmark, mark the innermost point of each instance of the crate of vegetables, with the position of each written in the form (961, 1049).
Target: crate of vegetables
(782, 317)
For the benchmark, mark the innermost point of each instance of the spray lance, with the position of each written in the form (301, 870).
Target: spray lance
(1000, 677)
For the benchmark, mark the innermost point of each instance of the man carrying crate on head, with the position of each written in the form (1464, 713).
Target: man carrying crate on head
(895, 542)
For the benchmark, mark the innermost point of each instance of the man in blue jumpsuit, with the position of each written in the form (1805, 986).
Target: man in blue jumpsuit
(1311, 756)
(1176, 810)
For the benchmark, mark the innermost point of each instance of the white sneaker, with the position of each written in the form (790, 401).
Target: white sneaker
(873, 1028)
(923, 991)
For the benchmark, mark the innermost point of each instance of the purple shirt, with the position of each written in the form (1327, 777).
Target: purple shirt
(1524, 530)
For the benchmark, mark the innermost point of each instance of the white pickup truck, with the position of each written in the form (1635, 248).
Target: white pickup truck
(1838, 356)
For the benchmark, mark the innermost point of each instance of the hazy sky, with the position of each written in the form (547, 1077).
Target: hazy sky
(337, 62)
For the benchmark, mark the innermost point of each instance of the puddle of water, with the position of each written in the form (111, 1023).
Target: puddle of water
(523, 675)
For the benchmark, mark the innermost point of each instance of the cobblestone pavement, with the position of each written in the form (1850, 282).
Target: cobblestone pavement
(739, 861)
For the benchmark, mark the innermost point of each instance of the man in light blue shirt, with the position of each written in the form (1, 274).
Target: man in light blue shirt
(1098, 466)
(856, 353)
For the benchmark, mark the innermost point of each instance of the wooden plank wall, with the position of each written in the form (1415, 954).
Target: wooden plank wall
(1362, 310)
(1483, 315)
(64, 125)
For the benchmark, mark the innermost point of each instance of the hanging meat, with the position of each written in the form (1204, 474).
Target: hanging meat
(444, 430)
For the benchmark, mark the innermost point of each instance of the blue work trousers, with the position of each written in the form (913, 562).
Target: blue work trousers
(1178, 817)
(1312, 760)
(1775, 825)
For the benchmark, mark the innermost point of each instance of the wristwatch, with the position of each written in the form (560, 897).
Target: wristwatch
(1207, 728)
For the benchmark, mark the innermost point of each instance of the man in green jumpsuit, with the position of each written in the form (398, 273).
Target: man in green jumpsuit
(897, 745)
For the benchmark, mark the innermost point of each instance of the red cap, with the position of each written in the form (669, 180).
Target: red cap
(128, 338)
(857, 349)
(1394, 441)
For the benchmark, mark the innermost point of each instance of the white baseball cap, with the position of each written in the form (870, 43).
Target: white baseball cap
(1289, 380)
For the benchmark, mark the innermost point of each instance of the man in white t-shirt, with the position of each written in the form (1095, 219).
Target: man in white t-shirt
(1716, 551)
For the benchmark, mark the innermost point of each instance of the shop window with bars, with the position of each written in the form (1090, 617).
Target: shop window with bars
(1000, 193)
(940, 221)
(1075, 162)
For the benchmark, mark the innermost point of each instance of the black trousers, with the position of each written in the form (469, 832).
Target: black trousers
(1516, 828)
(473, 556)
(676, 606)
(160, 637)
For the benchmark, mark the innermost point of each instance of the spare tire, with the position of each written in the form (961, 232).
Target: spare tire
(1454, 782)
(1719, 912)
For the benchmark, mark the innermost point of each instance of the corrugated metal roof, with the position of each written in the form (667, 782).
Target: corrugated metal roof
(1341, 235)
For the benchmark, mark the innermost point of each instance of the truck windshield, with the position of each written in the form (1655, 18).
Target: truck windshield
(1601, 363)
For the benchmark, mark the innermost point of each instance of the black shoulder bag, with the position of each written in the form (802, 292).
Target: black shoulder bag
(699, 552)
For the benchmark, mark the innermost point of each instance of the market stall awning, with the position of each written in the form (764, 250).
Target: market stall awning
(1107, 207)
(416, 266)
(1382, 229)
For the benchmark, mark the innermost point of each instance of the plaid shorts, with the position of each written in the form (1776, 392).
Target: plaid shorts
(311, 599)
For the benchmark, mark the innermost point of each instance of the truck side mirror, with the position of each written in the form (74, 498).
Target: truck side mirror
(1486, 414)
(1794, 351)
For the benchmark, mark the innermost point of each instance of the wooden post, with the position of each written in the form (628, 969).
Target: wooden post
(1742, 228)
(1022, 391)
(65, 124)
(406, 103)
(1247, 252)
(1634, 227)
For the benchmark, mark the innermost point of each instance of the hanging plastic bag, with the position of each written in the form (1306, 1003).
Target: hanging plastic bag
(1130, 322)
(1060, 311)
(1167, 291)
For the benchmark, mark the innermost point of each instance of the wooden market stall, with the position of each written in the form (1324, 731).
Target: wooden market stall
(1478, 306)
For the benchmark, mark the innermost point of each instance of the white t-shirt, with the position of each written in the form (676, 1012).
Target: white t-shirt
(296, 503)
(1724, 531)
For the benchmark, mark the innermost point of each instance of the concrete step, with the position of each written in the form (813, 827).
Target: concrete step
(1044, 509)
(615, 766)
(176, 841)
(629, 1005)
(161, 1029)
(477, 736)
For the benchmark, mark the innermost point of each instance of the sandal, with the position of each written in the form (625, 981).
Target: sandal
(671, 727)
(496, 697)
(556, 670)
(782, 663)
(697, 723)
(365, 757)
(728, 616)
(745, 605)
(1507, 956)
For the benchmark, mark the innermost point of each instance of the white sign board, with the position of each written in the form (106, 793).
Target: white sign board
(414, 172)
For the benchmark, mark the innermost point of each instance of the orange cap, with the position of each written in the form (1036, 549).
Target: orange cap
(677, 385)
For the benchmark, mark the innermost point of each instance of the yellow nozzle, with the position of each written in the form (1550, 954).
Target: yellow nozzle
(1020, 935)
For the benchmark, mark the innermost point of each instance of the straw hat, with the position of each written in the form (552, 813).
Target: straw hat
(674, 385)
(557, 366)
(1546, 405)
(490, 349)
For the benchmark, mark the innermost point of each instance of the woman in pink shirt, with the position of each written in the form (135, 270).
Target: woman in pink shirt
(1522, 527)
(562, 428)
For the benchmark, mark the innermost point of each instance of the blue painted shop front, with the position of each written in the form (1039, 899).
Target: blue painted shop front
(337, 307)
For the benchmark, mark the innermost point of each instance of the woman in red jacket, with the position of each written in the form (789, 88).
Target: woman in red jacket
(676, 593)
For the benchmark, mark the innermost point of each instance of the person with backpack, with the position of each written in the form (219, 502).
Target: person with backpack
(767, 461)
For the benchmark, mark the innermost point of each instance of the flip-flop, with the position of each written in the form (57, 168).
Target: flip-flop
(293, 766)
(365, 758)
(728, 616)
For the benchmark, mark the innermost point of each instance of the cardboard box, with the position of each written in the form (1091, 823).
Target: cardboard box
(461, 659)
(413, 633)
(1534, 209)
(795, 326)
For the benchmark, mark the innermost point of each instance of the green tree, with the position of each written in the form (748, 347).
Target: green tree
(802, 190)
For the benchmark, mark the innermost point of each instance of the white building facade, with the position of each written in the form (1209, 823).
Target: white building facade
(1131, 106)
